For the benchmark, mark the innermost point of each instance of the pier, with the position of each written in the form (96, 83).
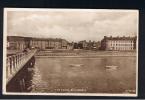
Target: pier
(16, 65)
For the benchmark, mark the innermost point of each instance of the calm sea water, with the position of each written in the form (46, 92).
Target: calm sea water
(58, 75)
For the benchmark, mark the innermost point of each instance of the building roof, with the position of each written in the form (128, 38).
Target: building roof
(15, 38)
(120, 38)
(20, 38)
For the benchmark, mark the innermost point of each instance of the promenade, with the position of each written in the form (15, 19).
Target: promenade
(84, 53)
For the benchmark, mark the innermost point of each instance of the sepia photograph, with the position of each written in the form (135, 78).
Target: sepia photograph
(70, 52)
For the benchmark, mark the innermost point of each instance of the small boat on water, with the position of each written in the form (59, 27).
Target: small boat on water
(112, 67)
(76, 65)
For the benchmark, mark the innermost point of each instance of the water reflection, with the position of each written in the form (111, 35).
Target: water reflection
(52, 75)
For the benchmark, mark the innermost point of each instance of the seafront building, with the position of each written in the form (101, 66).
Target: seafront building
(48, 43)
(107, 43)
(118, 43)
(20, 43)
(16, 43)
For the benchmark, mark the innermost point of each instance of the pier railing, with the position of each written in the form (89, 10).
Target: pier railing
(15, 62)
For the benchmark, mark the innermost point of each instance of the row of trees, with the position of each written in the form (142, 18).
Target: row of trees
(87, 45)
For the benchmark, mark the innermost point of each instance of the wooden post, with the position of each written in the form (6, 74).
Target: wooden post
(14, 59)
(10, 65)
(21, 86)
(16, 62)
(20, 59)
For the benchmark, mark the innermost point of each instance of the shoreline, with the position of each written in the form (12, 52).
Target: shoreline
(84, 54)
(46, 56)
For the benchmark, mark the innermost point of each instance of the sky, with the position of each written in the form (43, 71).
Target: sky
(72, 25)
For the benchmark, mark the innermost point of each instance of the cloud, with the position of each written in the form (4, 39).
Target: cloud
(73, 25)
